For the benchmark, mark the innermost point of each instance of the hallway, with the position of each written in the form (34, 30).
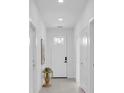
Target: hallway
(61, 43)
(62, 86)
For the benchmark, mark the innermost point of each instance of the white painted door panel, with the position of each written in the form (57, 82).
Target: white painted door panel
(84, 59)
(87, 58)
(59, 54)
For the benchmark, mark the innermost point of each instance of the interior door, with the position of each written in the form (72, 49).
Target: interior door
(84, 60)
(32, 58)
(87, 58)
(59, 59)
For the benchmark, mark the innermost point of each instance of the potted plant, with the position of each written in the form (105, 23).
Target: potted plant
(47, 76)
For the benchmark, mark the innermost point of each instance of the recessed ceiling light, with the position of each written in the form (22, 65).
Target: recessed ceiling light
(60, 1)
(60, 19)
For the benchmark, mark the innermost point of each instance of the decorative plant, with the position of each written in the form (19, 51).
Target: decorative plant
(47, 76)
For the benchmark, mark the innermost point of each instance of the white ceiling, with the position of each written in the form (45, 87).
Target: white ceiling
(51, 10)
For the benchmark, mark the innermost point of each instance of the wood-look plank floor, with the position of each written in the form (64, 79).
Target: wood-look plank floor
(62, 86)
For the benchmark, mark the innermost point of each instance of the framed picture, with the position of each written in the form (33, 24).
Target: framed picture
(42, 51)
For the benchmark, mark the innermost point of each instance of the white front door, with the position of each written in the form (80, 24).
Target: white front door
(58, 54)
(32, 58)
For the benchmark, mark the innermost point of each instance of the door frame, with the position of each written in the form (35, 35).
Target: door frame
(32, 62)
(91, 30)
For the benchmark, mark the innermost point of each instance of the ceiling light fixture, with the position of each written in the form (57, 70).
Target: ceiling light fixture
(60, 1)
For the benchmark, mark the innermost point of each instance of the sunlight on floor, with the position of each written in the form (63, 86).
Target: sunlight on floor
(62, 86)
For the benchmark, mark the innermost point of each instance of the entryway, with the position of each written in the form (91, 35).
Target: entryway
(60, 52)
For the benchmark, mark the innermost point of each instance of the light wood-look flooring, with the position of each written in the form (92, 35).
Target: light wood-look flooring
(62, 86)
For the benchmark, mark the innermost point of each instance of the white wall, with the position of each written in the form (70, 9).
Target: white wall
(87, 14)
(71, 65)
(40, 32)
